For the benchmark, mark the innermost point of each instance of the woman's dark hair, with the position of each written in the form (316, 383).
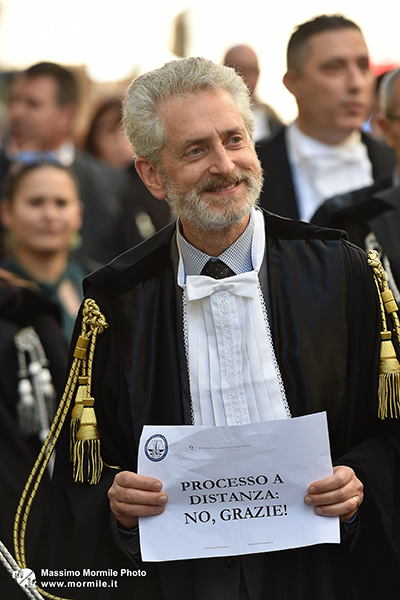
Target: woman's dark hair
(17, 172)
(114, 103)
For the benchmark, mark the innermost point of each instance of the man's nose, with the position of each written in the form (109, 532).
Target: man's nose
(221, 162)
(357, 78)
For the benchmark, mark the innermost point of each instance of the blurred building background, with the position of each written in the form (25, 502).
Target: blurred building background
(109, 42)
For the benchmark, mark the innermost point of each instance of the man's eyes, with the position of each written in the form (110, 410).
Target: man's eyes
(234, 140)
(364, 65)
(333, 66)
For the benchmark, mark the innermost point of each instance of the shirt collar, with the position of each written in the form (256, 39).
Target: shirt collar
(237, 256)
(305, 147)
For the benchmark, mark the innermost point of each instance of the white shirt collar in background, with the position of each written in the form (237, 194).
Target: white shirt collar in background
(321, 171)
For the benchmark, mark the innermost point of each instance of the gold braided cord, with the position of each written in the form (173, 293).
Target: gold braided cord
(93, 323)
(90, 361)
(48, 595)
(87, 436)
(389, 367)
(383, 287)
(97, 322)
(44, 455)
(396, 324)
(382, 307)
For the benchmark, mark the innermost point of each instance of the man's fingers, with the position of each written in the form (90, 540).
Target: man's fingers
(136, 496)
(132, 496)
(341, 477)
(139, 510)
(129, 479)
(345, 510)
(334, 497)
(134, 489)
(339, 495)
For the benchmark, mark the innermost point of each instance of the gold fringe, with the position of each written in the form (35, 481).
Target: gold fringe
(88, 465)
(388, 394)
(87, 462)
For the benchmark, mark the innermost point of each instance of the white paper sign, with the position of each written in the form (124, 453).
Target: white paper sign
(235, 490)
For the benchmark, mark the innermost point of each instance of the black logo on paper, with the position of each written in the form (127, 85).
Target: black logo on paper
(156, 447)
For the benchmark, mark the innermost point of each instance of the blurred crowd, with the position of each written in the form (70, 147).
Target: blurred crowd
(72, 201)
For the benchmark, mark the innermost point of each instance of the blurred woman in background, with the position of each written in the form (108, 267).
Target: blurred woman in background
(42, 211)
(143, 214)
(105, 137)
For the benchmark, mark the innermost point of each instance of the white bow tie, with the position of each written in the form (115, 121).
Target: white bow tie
(200, 286)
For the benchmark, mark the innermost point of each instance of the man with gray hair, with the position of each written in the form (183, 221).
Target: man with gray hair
(296, 303)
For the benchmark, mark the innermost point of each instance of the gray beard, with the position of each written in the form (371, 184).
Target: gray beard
(190, 207)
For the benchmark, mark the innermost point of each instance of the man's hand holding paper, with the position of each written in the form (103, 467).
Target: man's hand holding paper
(337, 496)
(133, 495)
(222, 508)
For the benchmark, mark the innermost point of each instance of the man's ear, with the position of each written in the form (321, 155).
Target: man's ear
(385, 125)
(151, 177)
(290, 81)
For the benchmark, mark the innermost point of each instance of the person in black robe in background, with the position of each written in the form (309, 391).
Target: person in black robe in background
(23, 306)
(323, 311)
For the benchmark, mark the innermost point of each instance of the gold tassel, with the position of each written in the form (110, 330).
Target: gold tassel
(88, 464)
(79, 353)
(76, 413)
(389, 366)
(389, 379)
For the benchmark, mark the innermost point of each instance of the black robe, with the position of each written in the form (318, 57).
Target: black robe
(20, 307)
(325, 321)
(375, 208)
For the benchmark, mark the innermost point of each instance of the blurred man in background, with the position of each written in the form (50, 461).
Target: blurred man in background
(43, 109)
(371, 215)
(245, 61)
(323, 152)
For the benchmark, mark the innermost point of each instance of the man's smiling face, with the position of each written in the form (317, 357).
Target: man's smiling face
(211, 174)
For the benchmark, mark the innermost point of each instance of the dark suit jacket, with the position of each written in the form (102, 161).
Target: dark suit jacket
(278, 195)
